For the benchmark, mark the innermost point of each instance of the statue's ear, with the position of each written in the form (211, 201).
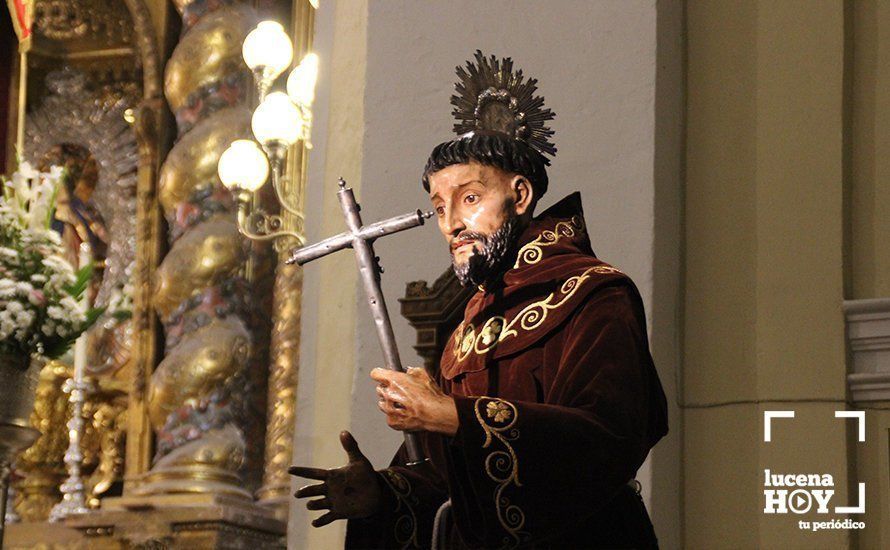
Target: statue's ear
(523, 194)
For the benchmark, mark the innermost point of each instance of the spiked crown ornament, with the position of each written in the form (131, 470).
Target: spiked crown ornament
(492, 98)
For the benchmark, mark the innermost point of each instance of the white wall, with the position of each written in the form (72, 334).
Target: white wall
(596, 66)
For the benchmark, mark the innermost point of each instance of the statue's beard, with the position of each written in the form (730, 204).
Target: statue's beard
(496, 255)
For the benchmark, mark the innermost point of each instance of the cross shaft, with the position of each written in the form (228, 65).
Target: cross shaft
(361, 238)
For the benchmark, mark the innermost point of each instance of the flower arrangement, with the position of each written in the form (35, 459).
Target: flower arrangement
(40, 293)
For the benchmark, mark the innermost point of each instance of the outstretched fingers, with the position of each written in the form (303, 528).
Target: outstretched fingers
(325, 519)
(350, 445)
(312, 490)
(309, 473)
(319, 504)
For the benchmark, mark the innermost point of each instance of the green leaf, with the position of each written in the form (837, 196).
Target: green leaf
(51, 211)
(92, 314)
(81, 281)
(122, 314)
(57, 347)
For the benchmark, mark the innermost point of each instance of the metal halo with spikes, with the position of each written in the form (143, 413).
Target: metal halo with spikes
(491, 97)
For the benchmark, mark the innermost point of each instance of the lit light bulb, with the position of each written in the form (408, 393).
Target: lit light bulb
(268, 48)
(243, 165)
(277, 119)
(301, 81)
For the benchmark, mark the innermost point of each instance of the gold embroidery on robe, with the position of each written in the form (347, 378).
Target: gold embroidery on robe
(502, 465)
(497, 328)
(531, 253)
(405, 529)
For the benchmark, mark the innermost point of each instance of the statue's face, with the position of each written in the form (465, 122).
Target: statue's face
(480, 210)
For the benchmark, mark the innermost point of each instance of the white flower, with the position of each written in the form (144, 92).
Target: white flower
(56, 312)
(56, 261)
(21, 190)
(53, 237)
(55, 172)
(7, 324)
(41, 203)
(33, 272)
(24, 317)
(24, 287)
(6, 328)
(26, 170)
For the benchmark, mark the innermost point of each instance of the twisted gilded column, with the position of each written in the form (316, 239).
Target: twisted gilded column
(202, 395)
(285, 344)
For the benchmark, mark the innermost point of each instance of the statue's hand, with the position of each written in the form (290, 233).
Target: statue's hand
(352, 491)
(412, 401)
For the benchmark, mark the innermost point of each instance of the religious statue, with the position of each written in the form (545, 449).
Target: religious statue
(546, 401)
(76, 218)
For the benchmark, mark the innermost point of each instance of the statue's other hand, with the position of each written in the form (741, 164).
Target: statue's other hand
(352, 491)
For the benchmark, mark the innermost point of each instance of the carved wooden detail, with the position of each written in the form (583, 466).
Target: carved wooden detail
(434, 312)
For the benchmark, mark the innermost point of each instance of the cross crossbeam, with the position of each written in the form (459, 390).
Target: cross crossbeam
(361, 238)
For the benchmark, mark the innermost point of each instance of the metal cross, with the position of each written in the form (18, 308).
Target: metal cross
(361, 238)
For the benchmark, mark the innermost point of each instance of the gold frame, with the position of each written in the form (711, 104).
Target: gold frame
(152, 129)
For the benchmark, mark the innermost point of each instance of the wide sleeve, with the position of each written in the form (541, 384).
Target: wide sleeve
(519, 471)
(412, 496)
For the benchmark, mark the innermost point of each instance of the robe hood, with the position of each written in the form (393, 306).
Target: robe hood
(554, 271)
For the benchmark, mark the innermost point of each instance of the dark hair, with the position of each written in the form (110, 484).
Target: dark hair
(491, 149)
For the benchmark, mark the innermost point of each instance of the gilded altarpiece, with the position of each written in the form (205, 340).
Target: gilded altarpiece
(85, 80)
(189, 425)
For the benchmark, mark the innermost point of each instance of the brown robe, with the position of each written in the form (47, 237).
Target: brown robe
(558, 403)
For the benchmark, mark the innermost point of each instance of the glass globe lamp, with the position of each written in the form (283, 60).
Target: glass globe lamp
(301, 81)
(243, 166)
(267, 50)
(277, 122)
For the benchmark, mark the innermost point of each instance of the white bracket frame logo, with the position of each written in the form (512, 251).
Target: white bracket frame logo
(768, 417)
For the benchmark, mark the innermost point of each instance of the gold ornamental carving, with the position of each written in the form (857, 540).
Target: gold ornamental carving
(207, 53)
(113, 43)
(204, 256)
(283, 374)
(202, 361)
(206, 465)
(42, 465)
(76, 19)
(191, 164)
(105, 411)
(196, 395)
